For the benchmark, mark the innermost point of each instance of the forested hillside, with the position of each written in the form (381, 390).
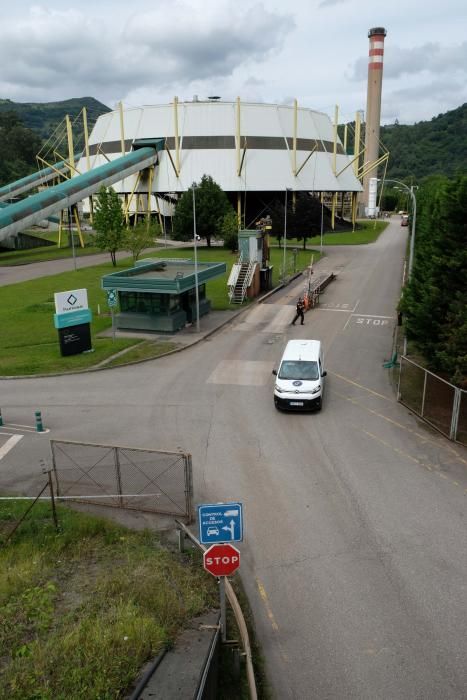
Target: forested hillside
(18, 148)
(43, 117)
(435, 147)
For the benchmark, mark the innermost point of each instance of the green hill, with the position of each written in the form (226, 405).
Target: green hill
(428, 148)
(43, 117)
(438, 146)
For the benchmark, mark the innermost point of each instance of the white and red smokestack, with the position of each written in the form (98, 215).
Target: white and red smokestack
(373, 103)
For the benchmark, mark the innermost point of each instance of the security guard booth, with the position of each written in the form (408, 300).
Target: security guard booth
(160, 294)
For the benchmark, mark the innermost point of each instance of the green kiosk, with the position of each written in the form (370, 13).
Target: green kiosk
(159, 295)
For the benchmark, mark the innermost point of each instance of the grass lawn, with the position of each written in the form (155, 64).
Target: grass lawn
(83, 609)
(368, 232)
(29, 339)
(30, 342)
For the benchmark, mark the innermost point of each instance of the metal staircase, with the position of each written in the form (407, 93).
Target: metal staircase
(240, 279)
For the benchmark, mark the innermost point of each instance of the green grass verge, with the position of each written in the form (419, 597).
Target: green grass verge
(84, 608)
(367, 232)
(145, 350)
(42, 254)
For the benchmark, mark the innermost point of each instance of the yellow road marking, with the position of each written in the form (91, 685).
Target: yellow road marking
(360, 386)
(394, 449)
(407, 455)
(425, 438)
(264, 597)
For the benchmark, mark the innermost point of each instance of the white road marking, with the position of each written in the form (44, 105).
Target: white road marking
(10, 443)
(23, 428)
(267, 318)
(241, 373)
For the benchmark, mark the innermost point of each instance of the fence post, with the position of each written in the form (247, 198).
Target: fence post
(455, 414)
(399, 382)
(424, 393)
(188, 487)
(118, 474)
(54, 467)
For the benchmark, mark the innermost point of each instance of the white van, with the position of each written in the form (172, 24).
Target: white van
(300, 378)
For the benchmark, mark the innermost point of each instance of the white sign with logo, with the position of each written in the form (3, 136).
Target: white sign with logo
(75, 300)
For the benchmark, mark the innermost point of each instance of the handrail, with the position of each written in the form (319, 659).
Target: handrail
(247, 280)
(238, 617)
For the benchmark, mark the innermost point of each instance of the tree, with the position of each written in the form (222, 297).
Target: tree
(138, 238)
(18, 148)
(435, 300)
(109, 222)
(211, 204)
(229, 230)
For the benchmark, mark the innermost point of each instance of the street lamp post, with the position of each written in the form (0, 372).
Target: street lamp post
(409, 190)
(287, 190)
(72, 236)
(322, 226)
(195, 239)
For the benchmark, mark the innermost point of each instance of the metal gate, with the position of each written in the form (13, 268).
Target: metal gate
(437, 401)
(155, 481)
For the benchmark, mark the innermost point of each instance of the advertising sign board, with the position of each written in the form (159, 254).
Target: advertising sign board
(67, 302)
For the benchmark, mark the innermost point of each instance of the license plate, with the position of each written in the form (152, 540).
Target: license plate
(296, 403)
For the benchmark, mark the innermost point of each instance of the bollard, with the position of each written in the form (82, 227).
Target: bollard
(1, 419)
(39, 426)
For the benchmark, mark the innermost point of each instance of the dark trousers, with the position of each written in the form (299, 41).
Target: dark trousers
(298, 315)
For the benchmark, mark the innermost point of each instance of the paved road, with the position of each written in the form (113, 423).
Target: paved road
(354, 557)
(11, 274)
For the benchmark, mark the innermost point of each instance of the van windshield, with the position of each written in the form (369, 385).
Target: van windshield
(298, 369)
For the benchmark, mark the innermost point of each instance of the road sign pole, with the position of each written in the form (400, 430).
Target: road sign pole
(113, 323)
(223, 611)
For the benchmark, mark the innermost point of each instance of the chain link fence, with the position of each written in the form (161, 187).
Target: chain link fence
(439, 403)
(154, 481)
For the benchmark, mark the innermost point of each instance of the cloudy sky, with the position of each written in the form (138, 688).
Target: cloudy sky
(316, 51)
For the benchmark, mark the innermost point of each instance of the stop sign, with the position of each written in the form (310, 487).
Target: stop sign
(221, 559)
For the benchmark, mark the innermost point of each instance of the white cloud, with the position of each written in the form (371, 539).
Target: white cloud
(314, 50)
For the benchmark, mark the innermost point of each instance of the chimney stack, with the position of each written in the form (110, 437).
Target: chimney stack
(373, 104)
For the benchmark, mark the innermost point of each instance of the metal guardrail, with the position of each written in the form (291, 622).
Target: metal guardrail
(240, 620)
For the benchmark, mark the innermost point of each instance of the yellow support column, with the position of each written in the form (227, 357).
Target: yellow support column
(177, 142)
(294, 142)
(88, 159)
(238, 133)
(78, 226)
(334, 152)
(333, 210)
(60, 225)
(356, 165)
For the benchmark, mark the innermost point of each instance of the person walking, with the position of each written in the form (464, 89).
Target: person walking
(299, 314)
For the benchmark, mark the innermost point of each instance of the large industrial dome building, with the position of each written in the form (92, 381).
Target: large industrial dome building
(252, 151)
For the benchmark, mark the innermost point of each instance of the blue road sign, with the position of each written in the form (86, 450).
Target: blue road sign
(112, 298)
(220, 522)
